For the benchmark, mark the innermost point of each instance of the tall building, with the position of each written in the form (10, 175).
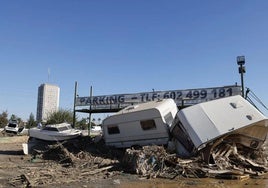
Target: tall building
(47, 101)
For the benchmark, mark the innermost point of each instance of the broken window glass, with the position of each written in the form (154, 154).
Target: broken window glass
(148, 124)
(113, 130)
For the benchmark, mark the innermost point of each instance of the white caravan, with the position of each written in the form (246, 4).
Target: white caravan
(142, 124)
(227, 120)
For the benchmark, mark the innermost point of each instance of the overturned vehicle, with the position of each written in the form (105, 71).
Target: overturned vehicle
(140, 125)
(219, 128)
(223, 138)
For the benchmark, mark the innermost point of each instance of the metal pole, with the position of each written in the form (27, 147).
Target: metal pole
(89, 118)
(241, 69)
(75, 93)
(242, 79)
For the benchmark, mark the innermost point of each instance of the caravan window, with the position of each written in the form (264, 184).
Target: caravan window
(148, 124)
(113, 129)
(168, 118)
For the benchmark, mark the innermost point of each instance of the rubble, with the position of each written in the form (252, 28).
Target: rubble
(68, 159)
(225, 148)
(82, 160)
(155, 162)
(229, 163)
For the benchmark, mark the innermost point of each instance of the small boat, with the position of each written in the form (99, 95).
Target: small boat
(55, 132)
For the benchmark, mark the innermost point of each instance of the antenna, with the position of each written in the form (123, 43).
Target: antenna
(48, 74)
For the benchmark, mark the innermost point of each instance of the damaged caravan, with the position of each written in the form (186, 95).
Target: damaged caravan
(142, 124)
(228, 121)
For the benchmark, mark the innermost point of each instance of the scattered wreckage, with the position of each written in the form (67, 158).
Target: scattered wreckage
(40, 135)
(226, 135)
(223, 138)
(14, 128)
(228, 121)
(156, 162)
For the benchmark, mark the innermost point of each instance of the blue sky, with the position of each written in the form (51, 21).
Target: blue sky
(128, 46)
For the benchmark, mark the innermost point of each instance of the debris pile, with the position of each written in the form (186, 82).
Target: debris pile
(73, 153)
(59, 153)
(239, 160)
(154, 161)
(21, 180)
(74, 161)
(65, 162)
(229, 163)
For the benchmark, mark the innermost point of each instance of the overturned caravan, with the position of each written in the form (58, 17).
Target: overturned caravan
(139, 125)
(230, 122)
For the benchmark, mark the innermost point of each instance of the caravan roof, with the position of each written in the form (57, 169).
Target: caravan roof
(144, 110)
(161, 105)
(209, 120)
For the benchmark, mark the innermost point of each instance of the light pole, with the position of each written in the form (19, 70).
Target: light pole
(75, 96)
(241, 69)
(89, 117)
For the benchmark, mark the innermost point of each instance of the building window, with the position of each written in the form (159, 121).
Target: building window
(148, 124)
(113, 130)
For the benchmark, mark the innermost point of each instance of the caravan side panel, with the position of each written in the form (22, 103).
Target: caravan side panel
(133, 133)
(143, 124)
(207, 121)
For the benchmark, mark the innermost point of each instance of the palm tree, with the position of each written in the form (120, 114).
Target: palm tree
(60, 116)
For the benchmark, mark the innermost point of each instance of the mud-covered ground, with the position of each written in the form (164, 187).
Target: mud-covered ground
(19, 170)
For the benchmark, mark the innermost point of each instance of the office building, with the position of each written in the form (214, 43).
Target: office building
(47, 101)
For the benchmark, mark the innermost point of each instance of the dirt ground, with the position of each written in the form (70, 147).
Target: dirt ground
(19, 170)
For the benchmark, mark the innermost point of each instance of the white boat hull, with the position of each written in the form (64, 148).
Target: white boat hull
(53, 136)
